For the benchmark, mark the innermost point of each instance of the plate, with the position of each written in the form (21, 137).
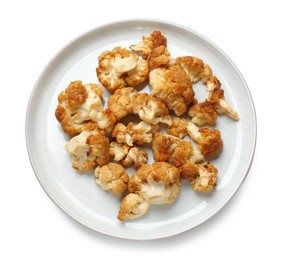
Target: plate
(76, 193)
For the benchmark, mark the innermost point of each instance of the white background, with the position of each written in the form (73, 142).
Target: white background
(32, 32)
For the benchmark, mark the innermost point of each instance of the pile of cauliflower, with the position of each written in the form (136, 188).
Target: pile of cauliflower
(170, 121)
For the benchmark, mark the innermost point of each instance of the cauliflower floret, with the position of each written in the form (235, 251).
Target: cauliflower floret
(159, 57)
(80, 103)
(195, 68)
(151, 109)
(132, 207)
(149, 43)
(158, 183)
(173, 86)
(202, 113)
(212, 84)
(120, 103)
(89, 148)
(167, 147)
(114, 66)
(112, 176)
(140, 133)
(135, 157)
(221, 106)
(209, 140)
(178, 128)
(119, 151)
(202, 177)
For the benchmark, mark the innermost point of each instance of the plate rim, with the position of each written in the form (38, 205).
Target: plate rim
(141, 20)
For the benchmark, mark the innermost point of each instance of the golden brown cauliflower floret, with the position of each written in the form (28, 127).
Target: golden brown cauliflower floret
(112, 176)
(212, 84)
(221, 106)
(135, 157)
(149, 43)
(120, 67)
(157, 183)
(173, 86)
(140, 133)
(132, 207)
(178, 151)
(119, 151)
(80, 103)
(209, 140)
(202, 113)
(178, 128)
(120, 103)
(159, 57)
(195, 68)
(202, 177)
(89, 148)
(151, 109)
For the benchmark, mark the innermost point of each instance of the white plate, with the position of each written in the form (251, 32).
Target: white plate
(76, 193)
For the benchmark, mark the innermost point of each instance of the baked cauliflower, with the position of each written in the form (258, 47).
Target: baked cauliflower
(149, 43)
(202, 113)
(120, 103)
(202, 177)
(140, 133)
(209, 140)
(151, 109)
(158, 183)
(132, 207)
(135, 157)
(173, 86)
(178, 128)
(89, 148)
(78, 104)
(119, 151)
(119, 68)
(212, 84)
(195, 68)
(112, 176)
(159, 57)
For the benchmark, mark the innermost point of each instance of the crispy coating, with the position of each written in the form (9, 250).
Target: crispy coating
(135, 157)
(112, 176)
(202, 113)
(119, 151)
(159, 57)
(149, 43)
(89, 148)
(195, 68)
(132, 207)
(80, 103)
(150, 109)
(209, 140)
(140, 133)
(120, 67)
(157, 183)
(120, 103)
(178, 128)
(202, 177)
(177, 151)
(173, 86)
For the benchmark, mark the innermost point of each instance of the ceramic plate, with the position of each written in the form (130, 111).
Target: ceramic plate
(76, 193)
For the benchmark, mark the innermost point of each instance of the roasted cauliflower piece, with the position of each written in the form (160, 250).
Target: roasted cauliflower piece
(158, 183)
(213, 84)
(140, 133)
(202, 177)
(151, 109)
(159, 57)
(135, 157)
(195, 68)
(89, 148)
(202, 113)
(78, 104)
(173, 86)
(112, 176)
(132, 207)
(221, 106)
(149, 43)
(120, 67)
(178, 127)
(209, 140)
(119, 151)
(167, 147)
(120, 103)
